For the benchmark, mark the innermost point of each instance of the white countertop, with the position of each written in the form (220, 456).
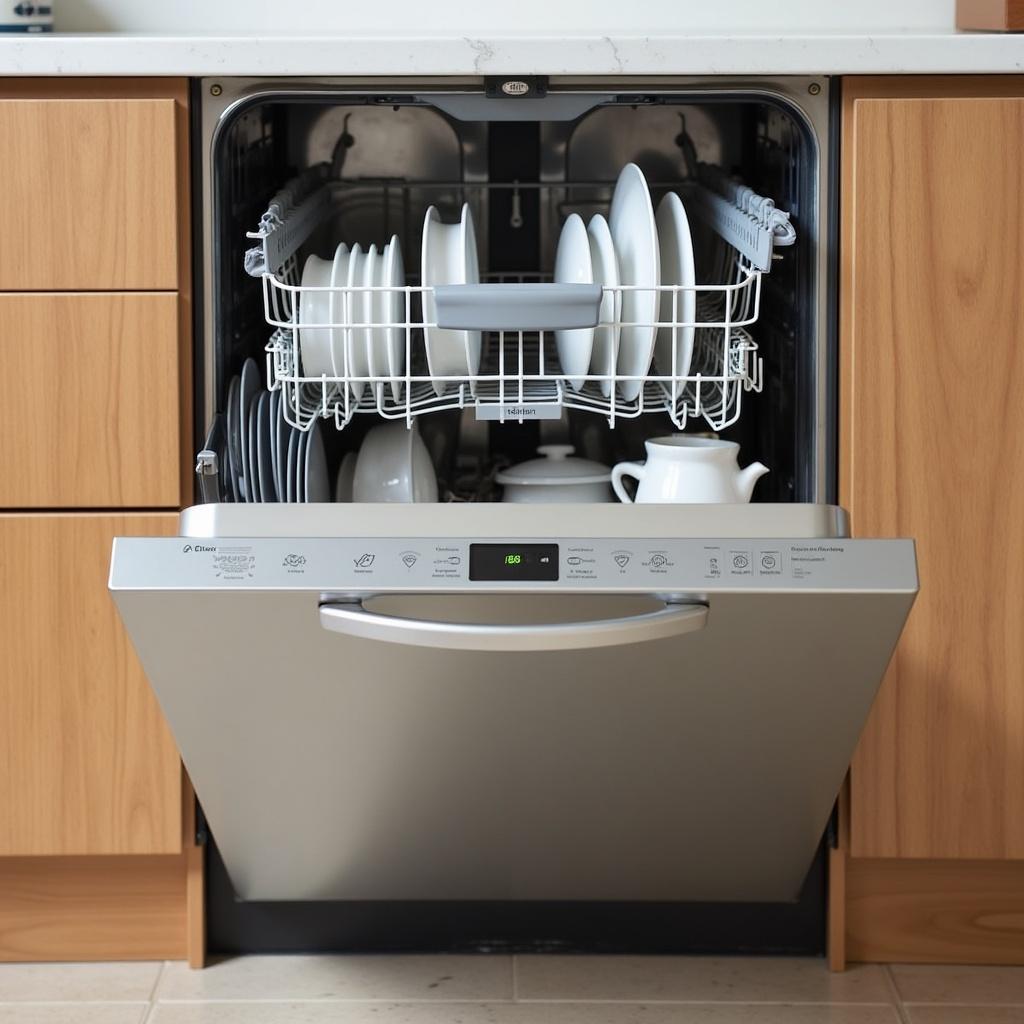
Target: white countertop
(704, 54)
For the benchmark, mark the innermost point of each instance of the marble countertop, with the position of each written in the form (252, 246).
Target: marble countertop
(705, 54)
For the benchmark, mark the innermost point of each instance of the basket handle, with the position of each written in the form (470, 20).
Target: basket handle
(517, 307)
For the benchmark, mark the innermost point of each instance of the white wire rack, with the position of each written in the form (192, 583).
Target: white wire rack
(519, 376)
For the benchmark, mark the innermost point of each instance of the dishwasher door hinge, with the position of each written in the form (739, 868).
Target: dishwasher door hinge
(208, 470)
(202, 831)
(832, 828)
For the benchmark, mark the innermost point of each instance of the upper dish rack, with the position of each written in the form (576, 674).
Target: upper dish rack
(519, 377)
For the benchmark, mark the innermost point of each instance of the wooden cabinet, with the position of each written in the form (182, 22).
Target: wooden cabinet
(97, 852)
(90, 196)
(89, 766)
(932, 447)
(90, 400)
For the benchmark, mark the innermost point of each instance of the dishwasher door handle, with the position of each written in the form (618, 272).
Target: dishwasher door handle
(352, 619)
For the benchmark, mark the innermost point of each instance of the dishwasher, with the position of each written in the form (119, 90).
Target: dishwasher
(469, 702)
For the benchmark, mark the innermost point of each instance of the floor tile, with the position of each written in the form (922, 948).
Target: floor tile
(919, 983)
(111, 982)
(509, 1013)
(697, 979)
(432, 978)
(73, 1013)
(964, 1014)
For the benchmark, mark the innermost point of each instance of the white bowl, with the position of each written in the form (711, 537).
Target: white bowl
(346, 475)
(394, 466)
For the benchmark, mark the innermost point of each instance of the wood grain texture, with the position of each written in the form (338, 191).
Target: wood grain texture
(89, 766)
(835, 939)
(942, 911)
(195, 882)
(932, 447)
(89, 400)
(90, 194)
(990, 15)
(186, 375)
(92, 908)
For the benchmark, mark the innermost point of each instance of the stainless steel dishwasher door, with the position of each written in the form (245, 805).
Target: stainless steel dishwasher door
(700, 764)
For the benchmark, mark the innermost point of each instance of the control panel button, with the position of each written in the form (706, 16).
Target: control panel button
(739, 563)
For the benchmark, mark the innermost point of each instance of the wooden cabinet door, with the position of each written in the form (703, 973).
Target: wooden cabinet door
(90, 193)
(89, 766)
(932, 447)
(90, 400)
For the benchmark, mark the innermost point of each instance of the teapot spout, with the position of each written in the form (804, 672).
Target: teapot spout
(748, 477)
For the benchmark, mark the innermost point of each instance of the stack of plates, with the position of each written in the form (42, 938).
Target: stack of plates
(352, 311)
(346, 331)
(633, 247)
(449, 256)
(264, 457)
(353, 315)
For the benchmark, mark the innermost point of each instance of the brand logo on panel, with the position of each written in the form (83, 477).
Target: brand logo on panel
(515, 88)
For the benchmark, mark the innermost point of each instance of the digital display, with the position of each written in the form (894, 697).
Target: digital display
(529, 562)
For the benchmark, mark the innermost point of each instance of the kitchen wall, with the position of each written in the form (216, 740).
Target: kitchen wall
(486, 17)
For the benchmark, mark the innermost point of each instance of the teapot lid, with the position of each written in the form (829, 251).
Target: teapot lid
(555, 466)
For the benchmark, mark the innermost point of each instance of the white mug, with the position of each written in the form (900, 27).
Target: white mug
(685, 469)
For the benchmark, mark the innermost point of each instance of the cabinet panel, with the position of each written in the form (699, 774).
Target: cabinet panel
(90, 194)
(89, 765)
(89, 400)
(932, 447)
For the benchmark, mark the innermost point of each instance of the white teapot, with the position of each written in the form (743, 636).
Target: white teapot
(681, 468)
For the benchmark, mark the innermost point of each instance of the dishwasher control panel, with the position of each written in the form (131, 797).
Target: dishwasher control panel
(375, 565)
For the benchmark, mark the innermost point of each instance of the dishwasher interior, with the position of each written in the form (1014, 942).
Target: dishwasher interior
(295, 167)
(364, 166)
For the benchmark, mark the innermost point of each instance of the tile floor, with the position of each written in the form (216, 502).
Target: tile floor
(507, 990)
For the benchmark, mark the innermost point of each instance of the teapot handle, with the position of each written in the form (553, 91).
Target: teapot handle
(634, 469)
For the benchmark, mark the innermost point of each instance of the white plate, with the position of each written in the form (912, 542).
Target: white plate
(355, 342)
(290, 473)
(248, 391)
(448, 256)
(606, 273)
(273, 411)
(338, 308)
(264, 458)
(635, 235)
(233, 430)
(315, 308)
(346, 475)
(573, 266)
(282, 429)
(317, 485)
(299, 469)
(253, 462)
(373, 337)
(391, 309)
(676, 269)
